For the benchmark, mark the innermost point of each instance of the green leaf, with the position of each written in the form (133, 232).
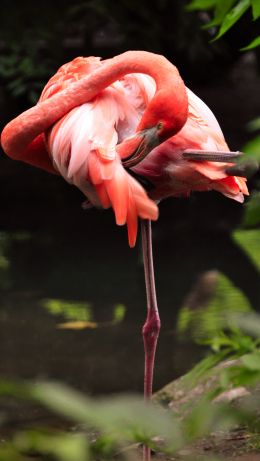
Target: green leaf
(256, 8)
(207, 321)
(236, 376)
(253, 44)
(250, 324)
(252, 361)
(71, 310)
(14, 389)
(203, 369)
(233, 16)
(201, 5)
(221, 10)
(252, 211)
(118, 416)
(254, 124)
(119, 313)
(62, 446)
(249, 241)
(252, 148)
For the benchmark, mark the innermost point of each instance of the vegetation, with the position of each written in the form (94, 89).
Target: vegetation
(227, 13)
(117, 426)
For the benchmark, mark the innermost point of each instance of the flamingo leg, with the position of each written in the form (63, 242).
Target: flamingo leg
(152, 324)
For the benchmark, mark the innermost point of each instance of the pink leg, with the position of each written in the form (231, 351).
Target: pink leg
(152, 324)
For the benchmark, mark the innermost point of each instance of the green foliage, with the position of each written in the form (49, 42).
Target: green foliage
(39, 43)
(254, 124)
(233, 364)
(201, 5)
(228, 326)
(70, 310)
(231, 343)
(232, 16)
(252, 361)
(221, 10)
(252, 148)
(23, 71)
(251, 216)
(109, 427)
(249, 324)
(119, 313)
(61, 446)
(256, 8)
(24, 64)
(78, 315)
(114, 422)
(226, 13)
(208, 320)
(253, 44)
(126, 417)
(249, 240)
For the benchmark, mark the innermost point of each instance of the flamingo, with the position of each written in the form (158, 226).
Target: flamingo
(128, 133)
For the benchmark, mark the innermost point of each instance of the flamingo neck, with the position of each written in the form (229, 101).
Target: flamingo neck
(21, 131)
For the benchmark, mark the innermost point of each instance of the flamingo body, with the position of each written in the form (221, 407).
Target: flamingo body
(83, 147)
(174, 176)
(83, 143)
(87, 142)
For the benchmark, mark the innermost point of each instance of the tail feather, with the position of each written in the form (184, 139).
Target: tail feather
(103, 195)
(94, 170)
(118, 192)
(84, 144)
(232, 187)
(242, 185)
(126, 196)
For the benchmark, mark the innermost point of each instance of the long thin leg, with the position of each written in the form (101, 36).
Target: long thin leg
(152, 324)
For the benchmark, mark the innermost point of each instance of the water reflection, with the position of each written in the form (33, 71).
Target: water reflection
(62, 274)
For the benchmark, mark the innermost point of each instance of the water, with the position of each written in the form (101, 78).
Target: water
(59, 263)
(109, 358)
(55, 251)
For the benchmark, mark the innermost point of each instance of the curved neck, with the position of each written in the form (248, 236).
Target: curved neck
(22, 130)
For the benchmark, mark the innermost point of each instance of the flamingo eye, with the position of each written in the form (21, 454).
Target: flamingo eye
(159, 126)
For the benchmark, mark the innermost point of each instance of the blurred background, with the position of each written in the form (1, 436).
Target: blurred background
(61, 265)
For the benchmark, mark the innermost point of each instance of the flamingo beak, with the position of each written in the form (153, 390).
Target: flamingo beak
(239, 164)
(133, 150)
(245, 169)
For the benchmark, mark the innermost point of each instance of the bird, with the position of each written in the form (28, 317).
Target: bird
(93, 136)
(128, 133)
(85, 99)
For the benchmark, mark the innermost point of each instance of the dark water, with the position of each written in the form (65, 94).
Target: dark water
(99, 273)
(64, 255)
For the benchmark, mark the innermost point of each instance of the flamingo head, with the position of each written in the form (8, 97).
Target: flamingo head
(164, 117)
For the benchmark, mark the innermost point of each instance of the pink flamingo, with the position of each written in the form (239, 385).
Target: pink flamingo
(103, 125)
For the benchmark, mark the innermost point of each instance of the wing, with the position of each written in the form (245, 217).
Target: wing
(174, 175)
(83, 144)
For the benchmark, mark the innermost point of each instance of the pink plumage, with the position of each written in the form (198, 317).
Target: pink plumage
(83, 146)
(84, 128)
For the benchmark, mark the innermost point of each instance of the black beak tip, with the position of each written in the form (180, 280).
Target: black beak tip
(245, 169)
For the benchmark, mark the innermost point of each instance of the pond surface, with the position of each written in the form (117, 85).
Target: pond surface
(61, 264)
